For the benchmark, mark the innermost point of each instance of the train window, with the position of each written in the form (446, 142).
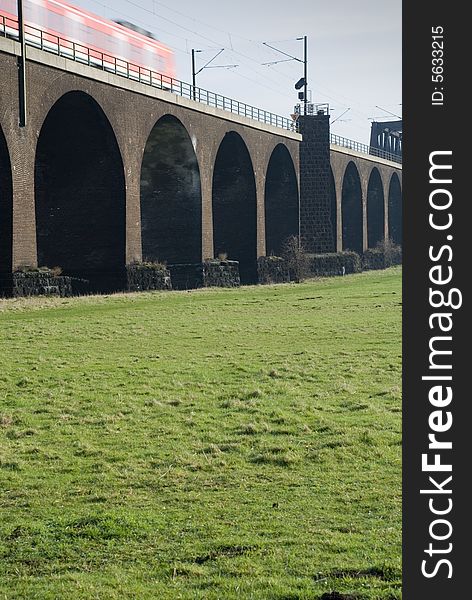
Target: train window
(157, 64)
(104, 41)
(57, 23)
(9, 6)
(110, 44)
(134, 53)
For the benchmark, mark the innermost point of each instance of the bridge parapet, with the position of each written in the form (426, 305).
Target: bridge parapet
(343, 142)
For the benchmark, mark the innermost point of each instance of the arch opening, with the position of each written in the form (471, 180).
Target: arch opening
(375, 210)
(333, 212)
(395, 210)
(80, 194)
(6, 215)
(352, 210)
(235, 206)
(281, 200)
(171, 201)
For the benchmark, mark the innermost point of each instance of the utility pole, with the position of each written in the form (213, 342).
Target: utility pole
(205, 66)
(305, 72)
(194, 75)
(21, 66)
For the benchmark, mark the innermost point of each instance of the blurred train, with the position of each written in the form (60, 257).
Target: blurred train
(116, 46)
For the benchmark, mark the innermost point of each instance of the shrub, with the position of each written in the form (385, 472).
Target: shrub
(149, 264)
(40, 270)
(334, 263)
(296, 258)
(272, 269)
(384, 255)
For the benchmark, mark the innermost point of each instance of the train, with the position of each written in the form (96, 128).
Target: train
(116, 46)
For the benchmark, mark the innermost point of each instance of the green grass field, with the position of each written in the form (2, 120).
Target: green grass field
(210, 444)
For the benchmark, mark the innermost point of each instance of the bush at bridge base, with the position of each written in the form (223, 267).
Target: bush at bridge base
(272, 269)
(276, 269)
(221, 273)
(384, 255)
(209, 273)
(334, 263)
(147, 276)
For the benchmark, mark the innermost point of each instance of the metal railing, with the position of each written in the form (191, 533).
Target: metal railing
(62, 47)
(364, 148)
(311, 109)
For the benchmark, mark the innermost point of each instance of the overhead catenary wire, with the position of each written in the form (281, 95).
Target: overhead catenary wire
(388, 111)
(341, 115)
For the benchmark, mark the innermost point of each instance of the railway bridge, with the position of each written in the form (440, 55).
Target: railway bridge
(112, 170)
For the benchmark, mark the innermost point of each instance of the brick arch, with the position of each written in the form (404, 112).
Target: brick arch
(281, 200)
(170, 194)
(127, 130)
(6, 214)
(62, 86)
(338, 164)
(333, 210)
(352, 209)
(365, 168)
(375, 208)
(148, 122)
(234, 205)
(399, 175)
(80, 195)
(268, 150)
(395, 209)
(260, 149)
(220, 133)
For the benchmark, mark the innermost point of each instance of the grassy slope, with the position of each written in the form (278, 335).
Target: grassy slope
(212, 444)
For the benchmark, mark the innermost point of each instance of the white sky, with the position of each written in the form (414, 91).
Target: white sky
(354, 50)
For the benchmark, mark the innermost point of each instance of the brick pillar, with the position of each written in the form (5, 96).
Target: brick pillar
(206, 183)
(260, 195)
(24, 250)
(315, 223)
(133, 206)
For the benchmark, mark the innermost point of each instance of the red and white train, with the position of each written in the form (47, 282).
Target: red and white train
(67, 30)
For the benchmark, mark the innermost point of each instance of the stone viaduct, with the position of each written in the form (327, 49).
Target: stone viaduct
(109, 172)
